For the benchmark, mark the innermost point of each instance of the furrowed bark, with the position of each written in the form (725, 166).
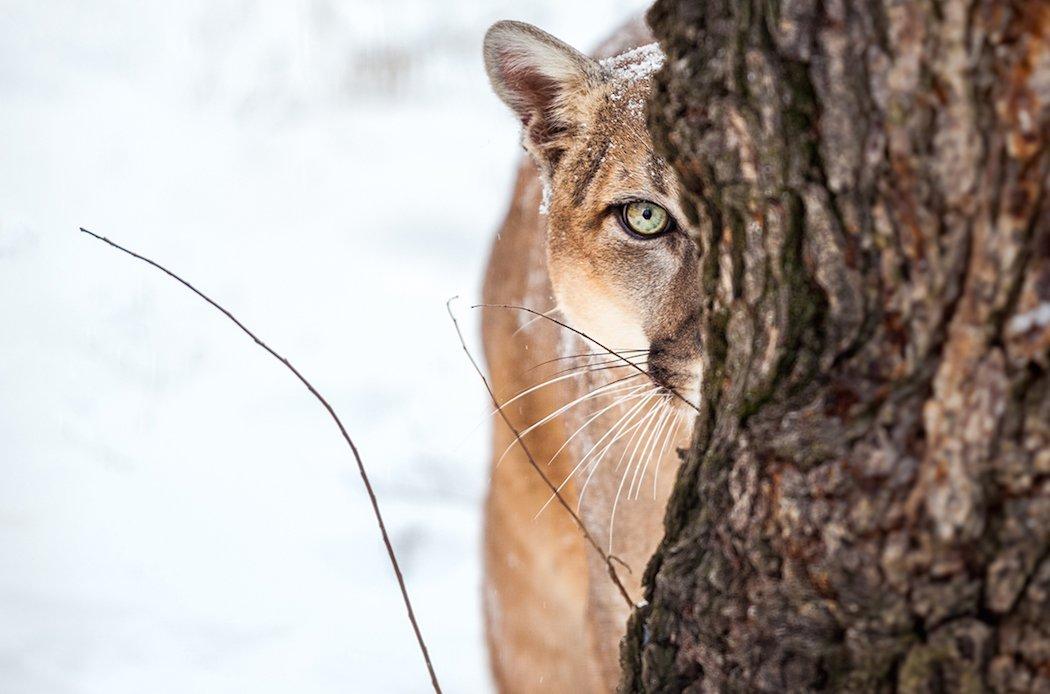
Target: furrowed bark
(866, 504)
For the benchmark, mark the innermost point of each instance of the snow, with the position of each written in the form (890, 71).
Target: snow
(631, 67)
(177, 514)
(636, 64)
(547, 197)
(1038, 317)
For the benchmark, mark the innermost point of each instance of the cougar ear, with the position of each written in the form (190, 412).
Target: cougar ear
(537, 76)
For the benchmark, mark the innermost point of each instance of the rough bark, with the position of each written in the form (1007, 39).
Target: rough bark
(866, 505)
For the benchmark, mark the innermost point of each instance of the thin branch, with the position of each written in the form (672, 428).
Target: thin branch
(342, 430)
(608, 559)
(587, 337)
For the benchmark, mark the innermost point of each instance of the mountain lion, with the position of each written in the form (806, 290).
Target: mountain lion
(595, 239)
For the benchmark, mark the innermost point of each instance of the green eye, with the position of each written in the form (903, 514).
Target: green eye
(646, 218)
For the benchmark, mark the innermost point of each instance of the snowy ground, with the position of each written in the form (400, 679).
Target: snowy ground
(176, 513)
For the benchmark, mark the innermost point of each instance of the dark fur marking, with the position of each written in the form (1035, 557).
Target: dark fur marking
(579, 190)
(656, 174)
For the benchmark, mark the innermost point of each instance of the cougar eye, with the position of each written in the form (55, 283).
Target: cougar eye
(645, 218)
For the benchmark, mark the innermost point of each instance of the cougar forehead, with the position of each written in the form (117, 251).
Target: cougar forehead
(612, 135)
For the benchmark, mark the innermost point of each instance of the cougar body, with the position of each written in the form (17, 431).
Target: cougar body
(578, 245)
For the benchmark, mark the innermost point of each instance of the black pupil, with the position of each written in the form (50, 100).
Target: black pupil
(647, 213)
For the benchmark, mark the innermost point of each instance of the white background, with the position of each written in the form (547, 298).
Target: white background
(177, 514)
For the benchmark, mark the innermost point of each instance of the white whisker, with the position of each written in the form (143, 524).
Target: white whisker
(649, 450)
(649, 414)
(623, 398)
(622, 429)
(597, 443)
(534, 319)
(533, 389)
(590, 355)
(645, 448)
(560, 376)
(603, 366)
(642, 452)
(669, 441)
(616, 501)
(607, 389)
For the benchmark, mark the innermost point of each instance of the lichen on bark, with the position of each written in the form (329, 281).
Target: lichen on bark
(866, 503)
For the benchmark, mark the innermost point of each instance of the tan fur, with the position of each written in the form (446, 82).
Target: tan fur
(553, 617)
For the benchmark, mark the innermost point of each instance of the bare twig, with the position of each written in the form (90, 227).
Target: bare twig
(608, 559)
(587, 337)
(342, 430)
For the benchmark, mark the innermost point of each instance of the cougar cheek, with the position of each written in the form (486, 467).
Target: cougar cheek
(594, 309)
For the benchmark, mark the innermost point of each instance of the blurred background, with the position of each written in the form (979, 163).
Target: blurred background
(177, 514)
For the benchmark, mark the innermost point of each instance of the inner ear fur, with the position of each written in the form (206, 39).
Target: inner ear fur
(538, 77)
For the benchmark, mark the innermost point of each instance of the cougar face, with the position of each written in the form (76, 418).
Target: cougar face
(621, 259)
(610, 245)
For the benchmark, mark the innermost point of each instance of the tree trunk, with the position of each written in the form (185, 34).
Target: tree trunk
(866, 505)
